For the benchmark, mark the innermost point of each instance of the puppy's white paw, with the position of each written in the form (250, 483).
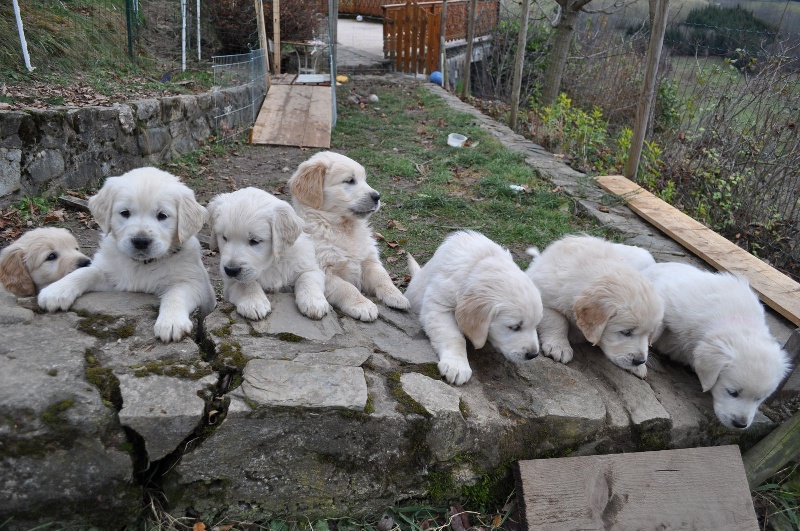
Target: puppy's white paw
(254, 309)
(57, 297)
(558, 351)
(456, 372)
(394, 299)
(640, 371)
(313, 307)
(172, 327)
(365, 310)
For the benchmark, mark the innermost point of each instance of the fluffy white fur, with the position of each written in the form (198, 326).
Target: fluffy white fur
(593, 290)
(330, 192)
(149, 220)
(39, 258)
(472, 287)
(714, 323)
(263, 247)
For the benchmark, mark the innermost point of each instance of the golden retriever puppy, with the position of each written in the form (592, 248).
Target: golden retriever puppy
(330, 192)
(593, 290)
(149, 220)
(472, 287)
(39, 258)
(263, 247)
(714, 323)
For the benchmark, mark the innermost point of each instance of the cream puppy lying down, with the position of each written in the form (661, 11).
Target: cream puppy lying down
(39, 258)
(714, 323)
(331, 194)
(263, 247)
(592, 289)
(472, 287)
(149, 220)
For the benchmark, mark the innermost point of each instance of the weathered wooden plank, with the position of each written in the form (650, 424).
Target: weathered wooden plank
(283, 79)
(694, 488)
(271, 114)
(320, 116)
(773, 452)
(777, 290)
(287, 113)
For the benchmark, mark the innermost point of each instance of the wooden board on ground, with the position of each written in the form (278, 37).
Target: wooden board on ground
(295, 115)
(777, 290)
(694, 488)
(283, 79)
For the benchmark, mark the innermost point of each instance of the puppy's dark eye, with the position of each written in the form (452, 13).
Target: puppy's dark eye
(51, 257)
(161, 216)
(627, 333)
(253, 242)
(125, 213)
(351, 180)
(733, 393)
(225, 239)
(515, 328)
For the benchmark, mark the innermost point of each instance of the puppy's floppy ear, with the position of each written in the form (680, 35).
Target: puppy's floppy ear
(101, 203)
(474, 313)
(708, 360)
(286, 228)
(13, 273)
(191, 215)
(307, 183)
(592, 314)
(211, 208)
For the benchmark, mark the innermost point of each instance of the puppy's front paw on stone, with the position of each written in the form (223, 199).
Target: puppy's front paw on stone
(454, 371)
(365, 310)
(54, 298)
(172, 328)
(254, 309)
(558, 351)
(313, 308)
(393, 299)
(640, 371)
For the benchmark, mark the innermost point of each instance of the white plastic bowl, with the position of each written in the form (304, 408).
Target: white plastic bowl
(456, 140)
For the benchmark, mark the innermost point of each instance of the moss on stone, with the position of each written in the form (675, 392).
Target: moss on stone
(51, 415)
(52, 372)
(464, 408)
(104, 379)
(223, 331)
(405, 404)
(369, 407)
(288, 336)
(102, 326)
(190, 370)
(441, 486)
(431, 370)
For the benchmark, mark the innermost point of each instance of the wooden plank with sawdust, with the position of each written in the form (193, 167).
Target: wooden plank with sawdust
(777, 290)
(693, 488)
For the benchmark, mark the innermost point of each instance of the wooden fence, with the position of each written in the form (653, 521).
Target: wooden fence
(370, 8)
(411, 30)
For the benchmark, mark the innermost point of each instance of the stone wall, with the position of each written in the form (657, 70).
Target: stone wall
(44, 151)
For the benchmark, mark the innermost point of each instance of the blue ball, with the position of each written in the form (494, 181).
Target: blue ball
(436, 77)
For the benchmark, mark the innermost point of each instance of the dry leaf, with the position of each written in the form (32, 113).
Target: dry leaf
(199, 526)
(603, 208)
(497, 520)
(459, 520)
(394, 224)
(379, 236)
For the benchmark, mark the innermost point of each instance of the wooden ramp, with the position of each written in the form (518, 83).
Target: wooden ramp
(295, 115)
(778, 291)
(695, 488)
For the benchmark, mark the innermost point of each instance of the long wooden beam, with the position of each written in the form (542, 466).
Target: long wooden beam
(777, 290)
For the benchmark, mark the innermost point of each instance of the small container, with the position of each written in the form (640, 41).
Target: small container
(456, 140)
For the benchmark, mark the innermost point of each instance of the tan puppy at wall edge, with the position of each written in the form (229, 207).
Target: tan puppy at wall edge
(472, 288)
(593, 290)
(38, 258)
(715, 323)
(331, 194)
(149, 220)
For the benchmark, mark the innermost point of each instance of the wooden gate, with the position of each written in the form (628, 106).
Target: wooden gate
(411, 37)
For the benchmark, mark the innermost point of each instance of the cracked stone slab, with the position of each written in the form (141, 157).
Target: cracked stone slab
(285, 318)
(397, 344)
(11, 312)
(163, 410)
(434, 395)
(352, 357)
(286, 383)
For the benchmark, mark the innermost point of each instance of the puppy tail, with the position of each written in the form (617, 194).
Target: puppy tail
(413, 266)
(534, 253)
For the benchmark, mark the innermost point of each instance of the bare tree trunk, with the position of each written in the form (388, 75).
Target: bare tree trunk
(518, 62)
(473, 12)
(442, 53)
(558, 55)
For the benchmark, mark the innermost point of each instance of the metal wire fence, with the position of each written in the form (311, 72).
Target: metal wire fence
(248, 70)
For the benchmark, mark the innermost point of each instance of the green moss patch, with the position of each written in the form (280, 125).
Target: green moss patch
(52, 415)
(104, 380)
(105, 326)
(178, 369)
(405, 404)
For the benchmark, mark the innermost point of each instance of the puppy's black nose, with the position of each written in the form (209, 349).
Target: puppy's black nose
(84, 262)
(232, 271)
(640, 361)
(531, 354)
(375, 196)
(141, 243)
(738, 424)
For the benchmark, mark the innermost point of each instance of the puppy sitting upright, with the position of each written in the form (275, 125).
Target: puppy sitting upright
(714, 323)
(39, 258)
(149, 220)
(471, 287)
(593, 289)
(330, 192)
(262, 245)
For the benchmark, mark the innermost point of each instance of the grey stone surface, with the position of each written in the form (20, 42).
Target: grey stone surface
(434, 395)
(10, 175)
(286, 318)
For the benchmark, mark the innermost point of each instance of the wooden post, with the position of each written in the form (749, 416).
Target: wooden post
(473, 12)
(519, 59)
(772, 452)
(442, 54)
(276, 30)
(262, 36)
(648, 88)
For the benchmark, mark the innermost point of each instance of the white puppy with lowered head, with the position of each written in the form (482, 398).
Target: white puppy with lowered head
(472, 287)
(593, 290)
(715, 323)
(149, 220)
(263, 247)
(331, 194)
(38, 258)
